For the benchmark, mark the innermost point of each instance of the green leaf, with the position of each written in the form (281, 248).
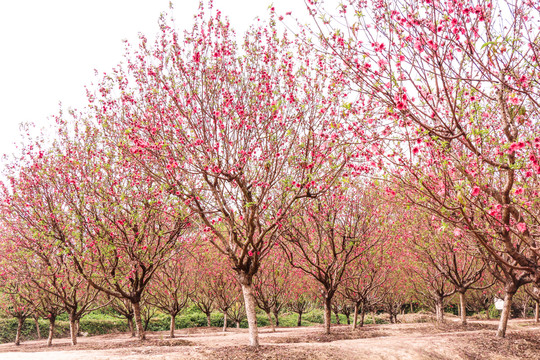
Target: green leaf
(489, 43)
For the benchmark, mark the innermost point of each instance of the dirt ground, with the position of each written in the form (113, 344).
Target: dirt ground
(400, 341)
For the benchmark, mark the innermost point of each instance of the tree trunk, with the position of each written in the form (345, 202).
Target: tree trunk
(271, 321)
(355, 316)
(412, 307)
(327, 314)
(78, 327)
(20, 322)
(463, 308)
(38, 330)
(439, 312)
(173, 325)
(73, 330)
(537, 311)
(373, 318)
(224, 321)
(249, 301)
(299, 323)
(391, 318)
(338, 322)
(130, 325)
(348, 316)
(503, 322)
(525, 308)
(208, 319)
(363, 315)
(276, 316)
(138, 321)
(52, 320)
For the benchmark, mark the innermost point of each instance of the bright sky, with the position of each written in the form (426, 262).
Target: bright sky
(49, 49)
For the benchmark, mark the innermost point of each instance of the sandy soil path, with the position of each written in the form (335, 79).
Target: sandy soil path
(384, 342)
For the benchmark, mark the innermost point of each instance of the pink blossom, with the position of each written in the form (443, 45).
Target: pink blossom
(515, 100)
(475, 191)
(522, 227)
(390, 192)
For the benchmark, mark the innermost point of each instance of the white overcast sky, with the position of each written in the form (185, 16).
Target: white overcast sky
(50, 48)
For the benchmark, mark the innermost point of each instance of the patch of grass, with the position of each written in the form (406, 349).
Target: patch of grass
(8, 329)
(105, 322)
(102, 326)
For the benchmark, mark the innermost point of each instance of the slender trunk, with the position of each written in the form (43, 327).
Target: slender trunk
(173, 325)
(338, 322)
(299, 323)
(138, 321)
(130, 325)
(537, 311)
(78, 327)
(52, 321)
(439, 313)
(20, 322)
(348, 316)
(327, 314)
(224, 321)
(463, 308)
(355, 316)
(525, 308)
(249, 301)
(73, 330)
(271, 321)
(208, 319)
(373, 318)
(412, 307)
(363, 314)
(276, 316)
(237, 324)
(501, 331)
(38, 330)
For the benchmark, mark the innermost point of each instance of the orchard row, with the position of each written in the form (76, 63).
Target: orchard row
(394, 150)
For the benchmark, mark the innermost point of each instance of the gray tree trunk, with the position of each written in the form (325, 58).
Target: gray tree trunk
(73, 330)
(52, 321)
(249, 301)
(172, 326)
(38, 330)
(505, 315)
(130, 326)
(355, 317)
(271, 321)
(439, 311)
(276, 316)
(463, 308)
(20, 322)
(138, 320)
(327, 314)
